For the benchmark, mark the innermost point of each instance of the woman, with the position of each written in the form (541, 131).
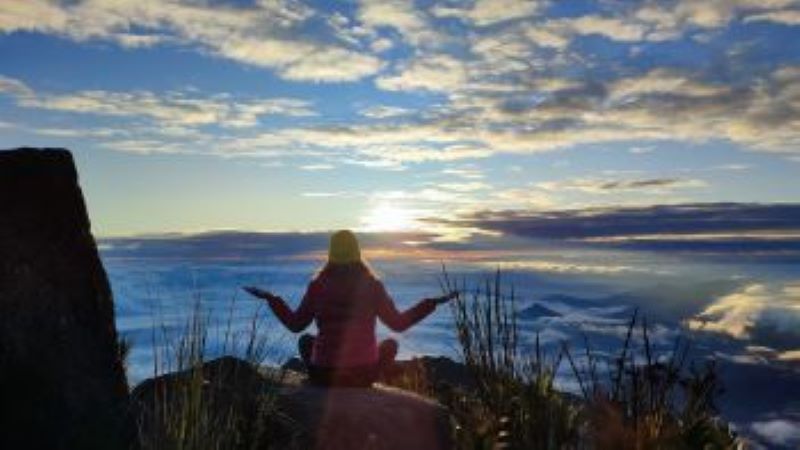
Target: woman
(345, 298)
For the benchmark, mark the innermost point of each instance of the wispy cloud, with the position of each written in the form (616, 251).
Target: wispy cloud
(489, 12)
(608, 186)
(384, 112)
(317, 167)
(174, 107)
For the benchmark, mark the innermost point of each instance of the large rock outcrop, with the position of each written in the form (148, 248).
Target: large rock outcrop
(62, 382)
(270, 408)
(382, 417)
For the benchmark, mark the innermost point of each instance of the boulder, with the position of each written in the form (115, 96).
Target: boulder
(62, 381)
(381, 417)
(224, 403)
(295, 415)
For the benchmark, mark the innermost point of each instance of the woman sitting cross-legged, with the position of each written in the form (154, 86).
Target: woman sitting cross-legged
(344, 299)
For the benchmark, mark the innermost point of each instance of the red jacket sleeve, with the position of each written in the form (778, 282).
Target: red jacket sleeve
(396, 320)
(298, 320)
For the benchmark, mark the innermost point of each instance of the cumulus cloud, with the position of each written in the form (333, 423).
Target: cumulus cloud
(613, 28)
(508, 80)
(438, 72)
(264, 34)
(670, 20)
(500, 96)
(411, 23)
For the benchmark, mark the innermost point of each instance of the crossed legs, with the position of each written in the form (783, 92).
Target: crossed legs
(350, 376)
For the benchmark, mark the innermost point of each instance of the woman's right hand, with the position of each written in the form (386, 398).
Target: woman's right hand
(260, 293)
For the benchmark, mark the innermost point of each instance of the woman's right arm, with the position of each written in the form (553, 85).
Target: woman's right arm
(295, 321)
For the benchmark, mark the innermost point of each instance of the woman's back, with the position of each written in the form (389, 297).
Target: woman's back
(345, 308)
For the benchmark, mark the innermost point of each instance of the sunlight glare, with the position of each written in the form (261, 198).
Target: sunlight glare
(388, 217)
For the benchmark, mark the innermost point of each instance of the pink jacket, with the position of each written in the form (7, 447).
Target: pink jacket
(345, 314)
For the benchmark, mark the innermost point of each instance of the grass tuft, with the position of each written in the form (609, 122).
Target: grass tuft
(195, 402)
(638, 400)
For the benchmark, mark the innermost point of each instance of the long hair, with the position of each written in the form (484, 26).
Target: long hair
(344, 260)
(348, 271)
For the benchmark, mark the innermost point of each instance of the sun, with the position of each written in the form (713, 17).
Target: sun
(389, 217)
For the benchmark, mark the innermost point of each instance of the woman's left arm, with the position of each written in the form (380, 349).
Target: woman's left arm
(401, 321)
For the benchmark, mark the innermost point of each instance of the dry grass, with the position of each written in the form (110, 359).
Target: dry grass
(660, 403)
(207, 406)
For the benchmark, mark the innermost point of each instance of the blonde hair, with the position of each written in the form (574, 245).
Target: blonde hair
(344, 257)
(344, 248)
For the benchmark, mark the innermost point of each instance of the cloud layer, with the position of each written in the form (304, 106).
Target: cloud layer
(769, 229)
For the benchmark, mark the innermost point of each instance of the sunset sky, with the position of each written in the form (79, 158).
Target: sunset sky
(188, 116)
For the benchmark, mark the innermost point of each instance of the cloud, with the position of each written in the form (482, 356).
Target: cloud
(501, 84)
(169, 108)
(331, 65)
(778, 431)
(15, 87)
(318, 167)
(670, 20)
(466, 172)
(437, 72)
(789, 17)
(613, 28)
(762, 314)
(490, 12)
(327, 194)
(545, 36)
(384, 112)
(381, 45)
(599, 186)
(750, 230)
(662, 82)
(387, 145)
(411, 23)
(266, 34)
(244, 245)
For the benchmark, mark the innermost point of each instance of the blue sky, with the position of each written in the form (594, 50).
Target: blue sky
(199, 115)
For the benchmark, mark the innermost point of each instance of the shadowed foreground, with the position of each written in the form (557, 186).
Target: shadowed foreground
(295, 415)
(62, 384)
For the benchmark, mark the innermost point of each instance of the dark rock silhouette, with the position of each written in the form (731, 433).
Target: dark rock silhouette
(62, 382)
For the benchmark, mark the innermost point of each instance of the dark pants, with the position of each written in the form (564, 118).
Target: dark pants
(358, 376)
